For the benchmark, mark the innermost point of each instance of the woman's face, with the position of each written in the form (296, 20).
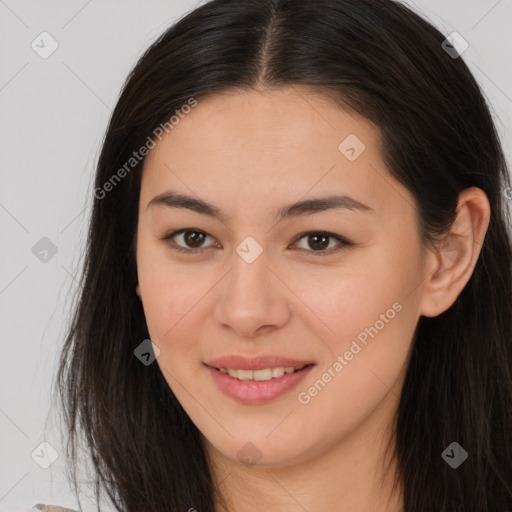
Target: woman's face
(263, 280)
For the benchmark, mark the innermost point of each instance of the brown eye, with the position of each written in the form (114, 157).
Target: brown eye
(193, 238)
(319, 242)
(190, 240)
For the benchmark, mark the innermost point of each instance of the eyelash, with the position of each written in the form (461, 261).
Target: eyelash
(343, 241)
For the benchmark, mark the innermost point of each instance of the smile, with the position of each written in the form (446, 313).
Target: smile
(260, 386)
(260, 375)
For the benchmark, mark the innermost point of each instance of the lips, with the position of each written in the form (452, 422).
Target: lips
(253, 392)
(256, 363)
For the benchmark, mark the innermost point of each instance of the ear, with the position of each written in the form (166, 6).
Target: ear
(451, 265)
(137, 289)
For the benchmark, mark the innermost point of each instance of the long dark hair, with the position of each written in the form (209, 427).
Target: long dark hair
(385, 62)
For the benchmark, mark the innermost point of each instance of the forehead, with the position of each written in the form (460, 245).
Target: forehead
(281, 143)
(292, 117)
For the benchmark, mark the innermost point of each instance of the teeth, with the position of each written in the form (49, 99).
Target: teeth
(244, 374)
(260, 375)
(277, 372)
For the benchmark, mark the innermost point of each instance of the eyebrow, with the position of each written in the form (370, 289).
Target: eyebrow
(310, 206)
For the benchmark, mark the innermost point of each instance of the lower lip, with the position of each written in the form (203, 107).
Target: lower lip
(253, 391)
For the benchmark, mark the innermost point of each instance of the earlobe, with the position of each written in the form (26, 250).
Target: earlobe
(454, 260)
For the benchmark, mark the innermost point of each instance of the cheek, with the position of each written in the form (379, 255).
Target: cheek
(373, 315)
(362, 365)
(369, 301)
(172, 307)
(175, 301)
(358, 300)
(160, 287)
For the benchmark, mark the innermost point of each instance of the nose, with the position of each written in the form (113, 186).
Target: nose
(253, 299)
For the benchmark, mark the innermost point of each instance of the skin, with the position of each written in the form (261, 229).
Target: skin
(251, 153)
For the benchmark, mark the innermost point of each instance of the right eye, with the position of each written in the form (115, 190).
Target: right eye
(193, 238)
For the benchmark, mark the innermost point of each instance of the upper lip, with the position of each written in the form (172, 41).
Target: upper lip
(238, 362)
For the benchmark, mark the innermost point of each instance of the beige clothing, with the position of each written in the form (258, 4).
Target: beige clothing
(50, 508)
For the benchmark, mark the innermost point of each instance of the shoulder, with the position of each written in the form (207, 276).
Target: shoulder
(39, 507)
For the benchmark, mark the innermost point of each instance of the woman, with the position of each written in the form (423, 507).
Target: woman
(297, 284)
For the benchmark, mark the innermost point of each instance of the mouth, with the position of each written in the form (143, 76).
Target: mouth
(264, 374)
(258, 386)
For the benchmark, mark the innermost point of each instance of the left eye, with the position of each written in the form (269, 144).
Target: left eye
(319, 241)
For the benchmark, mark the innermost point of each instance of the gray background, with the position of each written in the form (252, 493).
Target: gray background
(53, 113)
